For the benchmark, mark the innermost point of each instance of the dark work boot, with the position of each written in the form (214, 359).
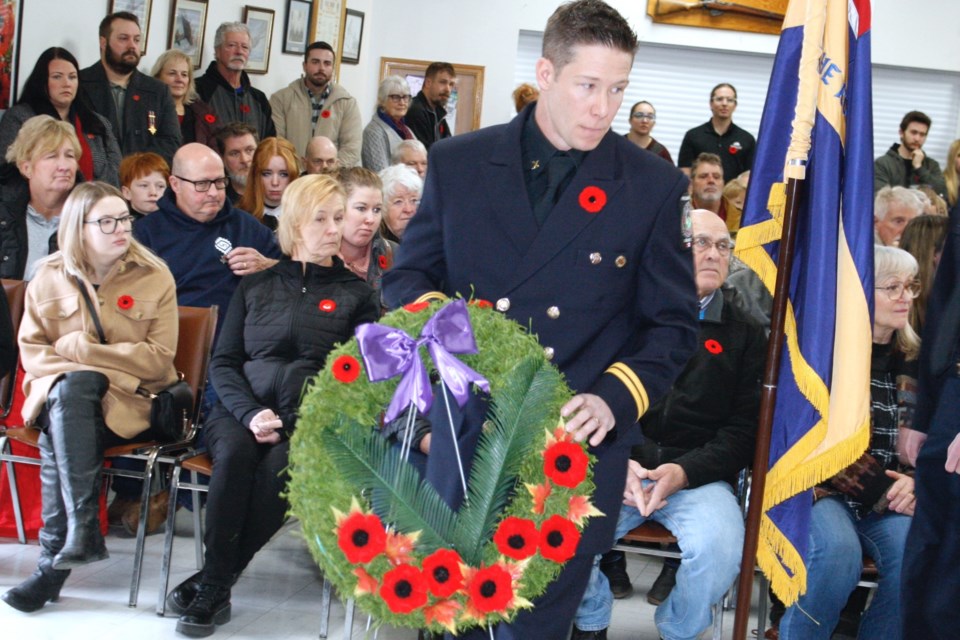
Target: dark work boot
(74, 427)
(613, 564)
(664, 583)
(37, 590)
(210, 607)
(182, 595)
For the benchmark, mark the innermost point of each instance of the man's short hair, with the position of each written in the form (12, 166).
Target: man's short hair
(915, 116)
(713, 91)
(899, 195)
(397, 156)
(585, 22)
(229, 27)
(106, 25)
(319, 44)
(234, 130)
(439, 67)
(705, 158)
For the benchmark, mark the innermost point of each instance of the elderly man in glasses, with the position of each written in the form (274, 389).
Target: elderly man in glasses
(643, 117)
(697, 439)
(720, 136)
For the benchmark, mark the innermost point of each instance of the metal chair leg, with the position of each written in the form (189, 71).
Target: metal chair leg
(168, 542)
(5, 446)
(147, 481)
(197, 521)
(348, 620)
(325, 605)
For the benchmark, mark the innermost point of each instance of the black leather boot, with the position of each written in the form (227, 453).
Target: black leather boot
(37, 590)
(74, 427)
(210, 607)
(183, 594)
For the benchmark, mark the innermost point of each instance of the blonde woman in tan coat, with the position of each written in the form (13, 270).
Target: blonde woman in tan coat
(82, 391)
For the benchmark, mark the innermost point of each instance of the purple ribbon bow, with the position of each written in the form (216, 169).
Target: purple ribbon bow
(388, 351)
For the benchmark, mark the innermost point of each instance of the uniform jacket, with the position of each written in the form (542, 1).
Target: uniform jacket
(104, 150)
(58, 335)
(426, 122)
(339, 120)
(275, 336)
(610, 294)
(707, 423)
(891, 170)
(248, 104)
(145, 96)
(379, 141)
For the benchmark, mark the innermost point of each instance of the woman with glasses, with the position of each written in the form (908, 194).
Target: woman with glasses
(99, 334)
(387, 128)
(643, 117)
(866, 509)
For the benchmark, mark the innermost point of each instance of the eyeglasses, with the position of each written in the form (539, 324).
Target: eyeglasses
(203, 186)
(725, 100)
(109, 225)
(702, 245)
(895, 291)
(396, 97)
(639, 115)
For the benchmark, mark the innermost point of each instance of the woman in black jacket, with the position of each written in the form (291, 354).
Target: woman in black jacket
(280, 327)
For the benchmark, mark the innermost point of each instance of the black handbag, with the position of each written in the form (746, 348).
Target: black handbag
(170, 409)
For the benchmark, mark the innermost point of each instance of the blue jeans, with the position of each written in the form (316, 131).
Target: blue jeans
(838, 542)
(708, 526)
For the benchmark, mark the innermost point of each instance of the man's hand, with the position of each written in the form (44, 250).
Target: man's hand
(908, 445)
(664, 481)
(245, 260)
(953, 456)
(591, 415)
(266, 427)
(901, 497)
(918, 156)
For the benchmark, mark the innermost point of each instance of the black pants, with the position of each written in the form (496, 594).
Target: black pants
(244, 505)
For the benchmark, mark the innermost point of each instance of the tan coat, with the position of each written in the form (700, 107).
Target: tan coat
(58, 335)
(293, 112)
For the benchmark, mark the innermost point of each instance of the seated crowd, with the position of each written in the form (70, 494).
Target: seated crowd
(168, 189)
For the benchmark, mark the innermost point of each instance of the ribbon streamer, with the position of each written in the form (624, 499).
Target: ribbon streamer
(388, 352)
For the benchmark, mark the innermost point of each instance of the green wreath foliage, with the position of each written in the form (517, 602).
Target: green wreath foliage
(340, 464)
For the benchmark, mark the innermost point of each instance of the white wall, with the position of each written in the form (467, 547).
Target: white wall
(921, 33)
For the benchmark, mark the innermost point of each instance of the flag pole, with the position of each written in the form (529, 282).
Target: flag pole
(768, 401)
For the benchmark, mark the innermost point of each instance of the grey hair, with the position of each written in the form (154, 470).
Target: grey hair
(229, 27)
(391, 84)
(397, 156)
(400, 175)
(900, 195)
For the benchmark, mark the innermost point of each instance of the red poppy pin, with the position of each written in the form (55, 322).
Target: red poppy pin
(346, 369)
(327, 305)
(735, 148)
(382, 261)
(325, 113)
(210, 118)
(136, 97)
(593, 199)
(245, 108)
(713, 347)
(125, 302)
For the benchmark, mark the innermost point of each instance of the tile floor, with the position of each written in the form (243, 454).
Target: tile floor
(277, 598)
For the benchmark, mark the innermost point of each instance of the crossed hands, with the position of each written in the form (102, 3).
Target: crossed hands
(664, 481)
(266, 427)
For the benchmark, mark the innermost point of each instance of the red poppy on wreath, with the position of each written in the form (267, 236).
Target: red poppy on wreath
(404, 589)
(361, 537)
(516, 538)
(593, 199)
(442, 571)
(125, 302)
(325, 113)
(490, 589)
(416, 307)
(480, 303)
(565, 463)
(327, 305)
(210, 118)
(558, 539)
(136, 97)
(382, 261)
(346, 369)
(713, 347)
(245, 108)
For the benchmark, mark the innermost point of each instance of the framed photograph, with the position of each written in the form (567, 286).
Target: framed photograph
(329, 17)
(139, 8)
(463, 108)
(187, 24)
(297, 28)
(11, 19)
(260, 22)
(352, 36)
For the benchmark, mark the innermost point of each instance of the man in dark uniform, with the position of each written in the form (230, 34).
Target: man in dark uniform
(574, 231)
(931, 583)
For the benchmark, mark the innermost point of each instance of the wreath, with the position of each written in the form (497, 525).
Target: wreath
(386, 538)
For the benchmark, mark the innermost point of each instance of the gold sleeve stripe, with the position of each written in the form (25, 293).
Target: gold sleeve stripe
(630, 380)
(430, 296)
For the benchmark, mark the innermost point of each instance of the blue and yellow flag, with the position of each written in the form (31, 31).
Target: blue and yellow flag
(817, 127)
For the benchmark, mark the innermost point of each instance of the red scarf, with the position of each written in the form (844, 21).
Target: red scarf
(86, 157)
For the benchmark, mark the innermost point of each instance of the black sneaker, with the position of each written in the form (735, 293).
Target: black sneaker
(579, 634)
(210, 607)
(614, 566)
(663, 585)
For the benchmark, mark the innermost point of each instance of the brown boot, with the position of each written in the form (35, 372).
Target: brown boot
(156, 514)
(118, 507)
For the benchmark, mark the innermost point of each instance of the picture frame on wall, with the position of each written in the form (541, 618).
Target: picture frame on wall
(260, 23)
(141, 9)
(187, 24)
(352, 36)
(297, 27)
(11, 21)
(328, 22)
(463, 108)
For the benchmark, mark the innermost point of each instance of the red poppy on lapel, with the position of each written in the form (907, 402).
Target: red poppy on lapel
(593, 199)
(325, 113)
(713, 347)
(125, 302)
(210, 118)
